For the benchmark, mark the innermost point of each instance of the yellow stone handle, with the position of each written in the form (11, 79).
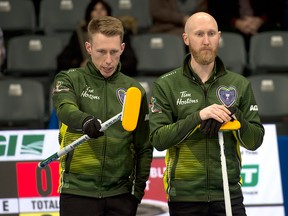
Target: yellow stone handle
(231, 125)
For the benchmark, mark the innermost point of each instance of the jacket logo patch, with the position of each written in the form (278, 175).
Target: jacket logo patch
(120, 94)
(154, 106)
(227, 95)
(59, 88)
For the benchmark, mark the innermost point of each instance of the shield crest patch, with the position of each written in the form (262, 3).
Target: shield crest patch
(227, 95)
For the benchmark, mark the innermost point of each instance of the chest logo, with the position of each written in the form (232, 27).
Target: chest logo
(88, 92)
(227, 95)
(120, 94)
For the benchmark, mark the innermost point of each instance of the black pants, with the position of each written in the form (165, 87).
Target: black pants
(206, 208)
(72, 205)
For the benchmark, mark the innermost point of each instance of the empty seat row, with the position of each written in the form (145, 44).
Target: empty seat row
(24, 106)
(36, 54)
(55, 16)
(268, 52)
(63, 15)
(138, 9)
(272, 106)
(157, 53)
(33, 54)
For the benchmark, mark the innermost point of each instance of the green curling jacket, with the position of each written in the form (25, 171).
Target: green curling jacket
(193, 167)
(116, 163)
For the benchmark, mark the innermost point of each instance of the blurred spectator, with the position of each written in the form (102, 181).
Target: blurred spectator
(190, 7)
(169, 16)
(2, 51)
(75, 55)
(246, 17)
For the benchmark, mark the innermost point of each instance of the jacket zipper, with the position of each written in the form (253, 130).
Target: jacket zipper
(205, 90)
(207, 151)
(105, 143)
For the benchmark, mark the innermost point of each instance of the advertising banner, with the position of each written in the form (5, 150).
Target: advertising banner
(25, 189)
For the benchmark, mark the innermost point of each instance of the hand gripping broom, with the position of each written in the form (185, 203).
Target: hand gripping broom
(128, 116)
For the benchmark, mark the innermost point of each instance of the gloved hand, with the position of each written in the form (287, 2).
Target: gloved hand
(232, 110)
(210, 127)
(91, 127)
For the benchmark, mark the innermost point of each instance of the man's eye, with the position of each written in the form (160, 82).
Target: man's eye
(212, 33)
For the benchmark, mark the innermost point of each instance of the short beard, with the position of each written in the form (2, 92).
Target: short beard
(203, 59)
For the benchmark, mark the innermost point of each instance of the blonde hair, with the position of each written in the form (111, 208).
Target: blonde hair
(107, 25)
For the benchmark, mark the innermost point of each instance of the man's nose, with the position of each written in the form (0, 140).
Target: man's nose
(108, 58)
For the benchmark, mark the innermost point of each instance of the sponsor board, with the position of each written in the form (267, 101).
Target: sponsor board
(26, 189)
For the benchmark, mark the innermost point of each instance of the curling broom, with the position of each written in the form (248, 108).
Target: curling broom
(229, 126)
(129, 117)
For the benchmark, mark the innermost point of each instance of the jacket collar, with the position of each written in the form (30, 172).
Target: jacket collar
(218, 70)
(91, 69)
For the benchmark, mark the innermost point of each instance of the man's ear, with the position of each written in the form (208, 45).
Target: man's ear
(88, 47)
(185, 38)
(122, 47)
